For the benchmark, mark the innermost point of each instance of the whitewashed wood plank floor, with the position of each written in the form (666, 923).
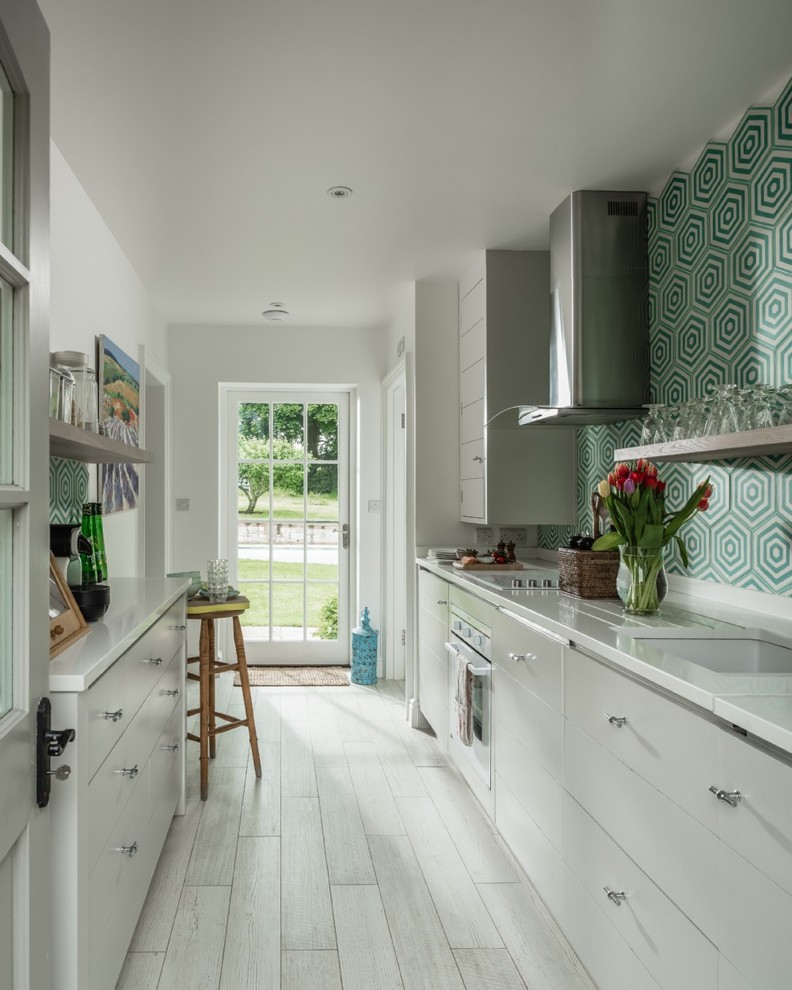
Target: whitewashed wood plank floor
(358, 861)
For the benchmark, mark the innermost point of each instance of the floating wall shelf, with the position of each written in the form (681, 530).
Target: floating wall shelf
(76, 444)
(776, 440)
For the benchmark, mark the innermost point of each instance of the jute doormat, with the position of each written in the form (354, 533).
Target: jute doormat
(296, 676)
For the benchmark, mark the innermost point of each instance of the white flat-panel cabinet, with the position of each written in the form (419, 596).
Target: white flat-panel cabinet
(122, 689)
(504, 333)
(433, 598)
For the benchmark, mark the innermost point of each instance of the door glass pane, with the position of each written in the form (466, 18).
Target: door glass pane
(253, 425)
(256, 618)
(253, 487)
(288, 428)
(6, 384)
(322, 491)
(322, 432)
(6, 162)
(288, 610)
(287, 491)
(323, 611)
(6, 601)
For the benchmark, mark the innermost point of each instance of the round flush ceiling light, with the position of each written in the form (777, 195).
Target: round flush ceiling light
(339, 192)
(276, 313)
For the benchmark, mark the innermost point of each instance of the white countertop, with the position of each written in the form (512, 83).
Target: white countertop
(135, 605)
(759, 703)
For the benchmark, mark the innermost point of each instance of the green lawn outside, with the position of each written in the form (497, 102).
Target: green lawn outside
(287, 604)
(258, 570)
(320, 507)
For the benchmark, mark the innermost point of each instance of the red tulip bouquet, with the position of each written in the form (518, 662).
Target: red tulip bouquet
(643, 525)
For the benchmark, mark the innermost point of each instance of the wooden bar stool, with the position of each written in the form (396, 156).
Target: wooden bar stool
(208, 668)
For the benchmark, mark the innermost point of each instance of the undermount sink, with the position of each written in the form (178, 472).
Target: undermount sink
(749, 653)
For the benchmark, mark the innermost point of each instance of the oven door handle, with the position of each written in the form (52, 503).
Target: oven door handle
(474, 670)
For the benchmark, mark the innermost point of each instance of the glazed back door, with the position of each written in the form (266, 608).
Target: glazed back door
(24, 450)
(287, 523)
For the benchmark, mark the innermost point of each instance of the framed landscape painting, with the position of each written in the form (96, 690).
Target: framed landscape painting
(119, 414)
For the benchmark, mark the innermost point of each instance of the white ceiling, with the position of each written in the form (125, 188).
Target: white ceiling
(208, 131)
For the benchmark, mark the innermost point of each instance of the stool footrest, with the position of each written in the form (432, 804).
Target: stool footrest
(227, 728)
(230, 718)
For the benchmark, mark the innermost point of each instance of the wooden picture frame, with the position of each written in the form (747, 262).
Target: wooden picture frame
(65, 618)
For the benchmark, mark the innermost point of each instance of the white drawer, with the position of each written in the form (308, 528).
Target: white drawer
(532, 849)
(107, 714)
(535, 725)
(471, 460)
(432, 632)
(610, 961)
(472, 499)
(472, 427)
(540, 664)
(537, 791)
(670, 946)
(113, 867)
(670, 746)
(760, 826)
(754, 923)
(471, 307)
(433, 595)
(165, 765)
(471, 384)
(147, 658)
(674, 849)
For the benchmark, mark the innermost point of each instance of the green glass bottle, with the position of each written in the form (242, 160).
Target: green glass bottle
(88, 560)
(97, 539)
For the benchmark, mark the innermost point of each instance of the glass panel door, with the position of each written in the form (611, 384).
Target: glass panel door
(285, 518)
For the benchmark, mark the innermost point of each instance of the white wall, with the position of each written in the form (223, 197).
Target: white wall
(95, 290)
(202, 357)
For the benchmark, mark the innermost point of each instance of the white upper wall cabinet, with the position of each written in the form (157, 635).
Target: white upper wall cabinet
(509, 474)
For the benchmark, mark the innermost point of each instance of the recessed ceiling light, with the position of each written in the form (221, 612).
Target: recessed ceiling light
(276, 313)
(339, 192)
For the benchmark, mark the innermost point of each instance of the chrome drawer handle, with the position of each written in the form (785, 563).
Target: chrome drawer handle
(442, 601)
(522, 657)
(115, 716)
(129, 850)
(617, 896)
(171, 749)
(130, 772)
(618, 720)
(181, 628)
(478, 459)
(172, 694)
(156, 661)
(732, 798)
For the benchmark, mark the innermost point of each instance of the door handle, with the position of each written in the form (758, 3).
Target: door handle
(345, 536)
(49, 742)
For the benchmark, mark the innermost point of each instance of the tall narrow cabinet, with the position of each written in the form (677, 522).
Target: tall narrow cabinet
(509, 474)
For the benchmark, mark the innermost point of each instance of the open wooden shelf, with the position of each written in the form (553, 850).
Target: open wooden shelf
(76, 444)
(776, 440)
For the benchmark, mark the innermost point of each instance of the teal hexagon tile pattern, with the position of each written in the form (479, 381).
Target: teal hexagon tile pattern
(720, 290)
(750, 143)
(730, 213)
(674, 199)
(709, 174)
(68, 490)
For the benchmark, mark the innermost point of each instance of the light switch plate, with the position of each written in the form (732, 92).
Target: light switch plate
(375, 505)
(182, 505)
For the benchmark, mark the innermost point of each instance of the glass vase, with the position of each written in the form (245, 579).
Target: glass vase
(641, 581)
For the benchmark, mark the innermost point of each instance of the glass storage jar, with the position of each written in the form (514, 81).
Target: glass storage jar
(85, 411)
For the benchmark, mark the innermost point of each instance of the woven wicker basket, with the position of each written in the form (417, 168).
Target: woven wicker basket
(588, 573)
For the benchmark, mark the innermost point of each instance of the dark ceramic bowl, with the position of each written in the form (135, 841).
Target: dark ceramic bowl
(93, 600)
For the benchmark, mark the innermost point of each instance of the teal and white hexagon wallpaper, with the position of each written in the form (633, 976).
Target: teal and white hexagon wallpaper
(720, 297)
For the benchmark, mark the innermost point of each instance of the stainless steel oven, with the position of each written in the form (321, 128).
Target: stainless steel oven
(470, 647)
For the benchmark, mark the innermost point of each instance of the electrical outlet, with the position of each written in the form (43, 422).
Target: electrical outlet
(513, 534)
(182, 505)
(484, 536)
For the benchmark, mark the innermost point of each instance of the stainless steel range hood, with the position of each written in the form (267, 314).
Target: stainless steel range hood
(599, 331)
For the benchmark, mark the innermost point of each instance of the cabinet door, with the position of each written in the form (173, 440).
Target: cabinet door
(532, 658)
